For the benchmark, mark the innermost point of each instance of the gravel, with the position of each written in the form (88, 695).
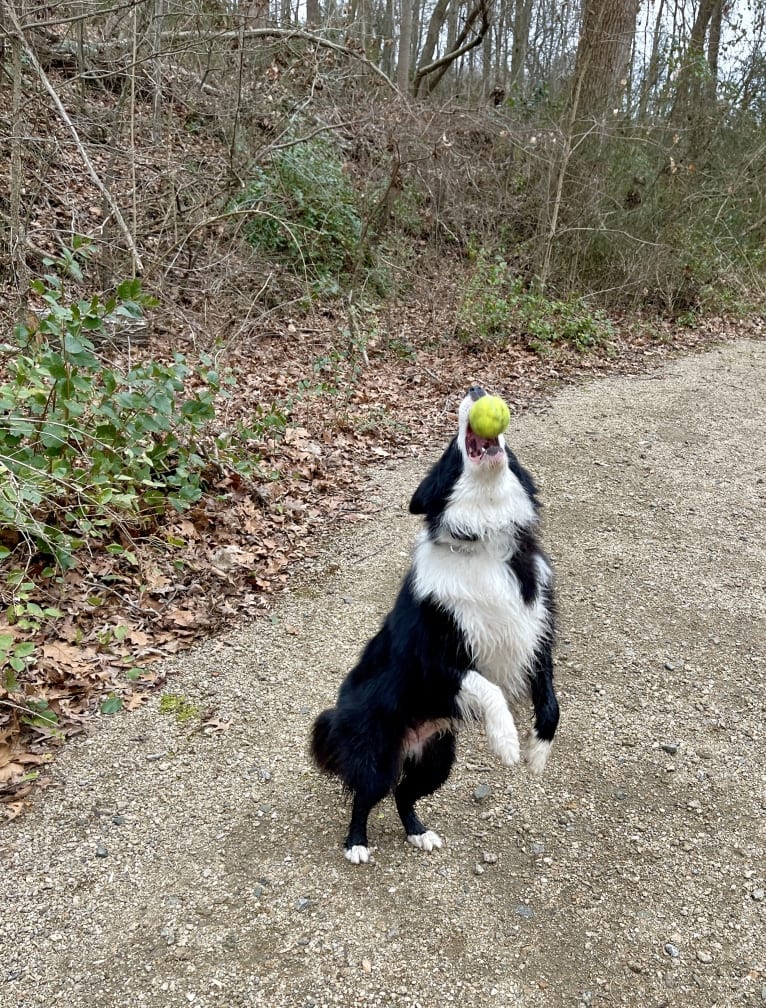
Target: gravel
(169, 867)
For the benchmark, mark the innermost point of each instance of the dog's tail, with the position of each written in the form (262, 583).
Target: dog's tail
(323, 747)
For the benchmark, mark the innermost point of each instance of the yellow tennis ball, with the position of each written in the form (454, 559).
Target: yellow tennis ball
(489, 416)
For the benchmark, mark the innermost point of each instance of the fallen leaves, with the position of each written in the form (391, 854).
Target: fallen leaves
(127, 605)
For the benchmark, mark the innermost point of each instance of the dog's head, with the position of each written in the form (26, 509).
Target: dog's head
(478, 484)
(486, 453)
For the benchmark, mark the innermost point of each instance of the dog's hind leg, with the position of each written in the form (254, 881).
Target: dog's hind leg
(356, 846)
(371, 786)
(422, 775)
(538, 745)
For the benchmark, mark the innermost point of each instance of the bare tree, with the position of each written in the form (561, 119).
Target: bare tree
(522, 20)
(472, 34)
(603, 55)
(405, 45)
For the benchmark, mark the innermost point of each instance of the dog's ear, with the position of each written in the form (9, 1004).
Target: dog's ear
(424, 498)
(431, 496)
(523, 476)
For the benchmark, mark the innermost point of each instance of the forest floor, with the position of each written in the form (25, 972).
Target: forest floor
(343, 399)
(170, 863)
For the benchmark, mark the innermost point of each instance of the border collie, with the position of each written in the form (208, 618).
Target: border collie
(470, 636)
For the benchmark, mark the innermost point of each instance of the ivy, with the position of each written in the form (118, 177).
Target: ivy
(85, 443)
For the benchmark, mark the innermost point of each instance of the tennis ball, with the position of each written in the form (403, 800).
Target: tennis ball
(489, 416)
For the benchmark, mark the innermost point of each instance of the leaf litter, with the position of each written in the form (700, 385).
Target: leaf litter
(197, 573)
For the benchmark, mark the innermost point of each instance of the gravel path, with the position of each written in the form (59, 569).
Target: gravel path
(172, 868)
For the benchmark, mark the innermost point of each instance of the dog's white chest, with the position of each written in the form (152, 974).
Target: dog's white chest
(483, 596)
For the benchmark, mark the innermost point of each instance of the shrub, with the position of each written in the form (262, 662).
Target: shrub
(85, 444)
(304, 212)
(496, 306)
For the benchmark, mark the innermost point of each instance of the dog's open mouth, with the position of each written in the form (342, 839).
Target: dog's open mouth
(479, 448)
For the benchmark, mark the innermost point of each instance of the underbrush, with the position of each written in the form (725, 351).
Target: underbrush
(497, 308)
(304, 215)
(95, 449)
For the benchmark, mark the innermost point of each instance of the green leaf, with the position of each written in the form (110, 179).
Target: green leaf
(111, 704)
(10, 682)
(24, 649)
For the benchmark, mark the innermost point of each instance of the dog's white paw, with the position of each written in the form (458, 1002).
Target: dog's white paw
(504, 743)
(428, 841)
(358, 854)
(536, 752)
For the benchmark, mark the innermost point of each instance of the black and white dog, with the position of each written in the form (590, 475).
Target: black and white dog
(470, 633)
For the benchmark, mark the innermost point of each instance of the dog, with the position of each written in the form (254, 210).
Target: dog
(470, 636)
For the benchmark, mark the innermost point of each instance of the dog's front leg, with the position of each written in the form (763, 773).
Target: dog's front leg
(480, 698)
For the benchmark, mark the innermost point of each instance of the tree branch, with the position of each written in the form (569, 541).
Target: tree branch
(17, 30)
(460, 48)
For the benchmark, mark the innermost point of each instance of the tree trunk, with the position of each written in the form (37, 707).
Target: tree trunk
(652, 74)
(313, 13)
(435, 25)
(603, 55)
(486, 63)
(688, 93)
(436, 70)
(522, 20)
(714, 49)
(387, 62)
(405, 45)
(695, 94)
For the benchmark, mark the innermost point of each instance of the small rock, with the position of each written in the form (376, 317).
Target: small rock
(489, 858)
(264, 774)
(703, 957)
(478, 869)
(537, 848)
(101, 851)
(522, 910)
(671, 748)
(481, 792)
(118, 820)
(757, 895)
(302, 903)
(671, 950)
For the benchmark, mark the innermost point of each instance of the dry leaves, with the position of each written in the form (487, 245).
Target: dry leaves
(223, 560)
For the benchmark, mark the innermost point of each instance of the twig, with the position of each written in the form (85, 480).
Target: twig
(137, 264)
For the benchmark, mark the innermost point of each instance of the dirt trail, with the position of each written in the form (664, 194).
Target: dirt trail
(168, 868)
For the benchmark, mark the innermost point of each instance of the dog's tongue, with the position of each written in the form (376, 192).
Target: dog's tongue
(478, 446)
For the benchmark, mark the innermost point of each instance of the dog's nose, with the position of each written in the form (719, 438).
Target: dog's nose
(476, 392)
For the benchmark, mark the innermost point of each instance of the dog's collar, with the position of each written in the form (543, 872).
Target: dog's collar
(459, 544)
(459, 547)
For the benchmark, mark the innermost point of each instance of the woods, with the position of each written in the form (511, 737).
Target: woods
(239, 243)
(606, 135)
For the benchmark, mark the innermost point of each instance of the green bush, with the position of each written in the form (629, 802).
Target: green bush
(84, 443)
(304, 212)
(490, 302)
(496, 307)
